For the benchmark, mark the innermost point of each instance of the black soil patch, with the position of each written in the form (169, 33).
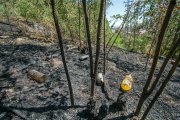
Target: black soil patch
(50, 100)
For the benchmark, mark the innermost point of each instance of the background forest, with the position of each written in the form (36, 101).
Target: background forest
(137, 32)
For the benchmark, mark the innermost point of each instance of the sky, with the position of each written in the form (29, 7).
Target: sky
(118, 7)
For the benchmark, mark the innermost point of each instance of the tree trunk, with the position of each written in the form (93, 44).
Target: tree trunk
(104, 47)
(59, 34)
(89, 45)
(80, 43)
(172, 51)
(98, 40)
(156, 56)
(158, 93)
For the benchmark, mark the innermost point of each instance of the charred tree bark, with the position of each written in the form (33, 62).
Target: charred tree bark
(79, 26)
(158, 93)
(172, 51)
(59, 34)
(94, 20)
(156, 56)
(89, 45)
(98, 40)
(104, 45)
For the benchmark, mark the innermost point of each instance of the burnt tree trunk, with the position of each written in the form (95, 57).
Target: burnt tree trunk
(156, 56)
(59, 34)
(98, 40)
(89, 44)
(158, 93)
(172, 51)
(79, 26)
(104, 44)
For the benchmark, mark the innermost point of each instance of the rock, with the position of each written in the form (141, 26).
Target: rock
(85, 57)
(19, 41)
(111, 65)
(71, 47)
(9, 92)
(56, 63)
(4, 37)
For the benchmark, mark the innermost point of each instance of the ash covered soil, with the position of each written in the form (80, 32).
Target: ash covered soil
(50, 100)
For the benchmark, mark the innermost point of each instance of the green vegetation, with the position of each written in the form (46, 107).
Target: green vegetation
(142, 15)
(1, 8)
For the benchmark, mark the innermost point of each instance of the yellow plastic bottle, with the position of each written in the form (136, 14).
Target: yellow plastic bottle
(126, 84)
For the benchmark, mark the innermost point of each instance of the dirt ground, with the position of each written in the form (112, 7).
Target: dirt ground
(50, 100)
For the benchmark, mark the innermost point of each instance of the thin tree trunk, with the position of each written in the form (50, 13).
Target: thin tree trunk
(70, 31)
(98, 41)
(172, 51)
(158, 93)
(89, 45)
(59, 34)
(134, 30)
(104, 69)
(156, 56)
(80, 44)
(94, 15)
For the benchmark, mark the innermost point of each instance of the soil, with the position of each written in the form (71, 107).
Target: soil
(50, 100)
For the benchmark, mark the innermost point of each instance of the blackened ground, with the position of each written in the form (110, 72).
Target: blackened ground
(50, 100)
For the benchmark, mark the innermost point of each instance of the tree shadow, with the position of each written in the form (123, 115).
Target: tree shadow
(124, 117)
(85, 115)
(62, 105)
